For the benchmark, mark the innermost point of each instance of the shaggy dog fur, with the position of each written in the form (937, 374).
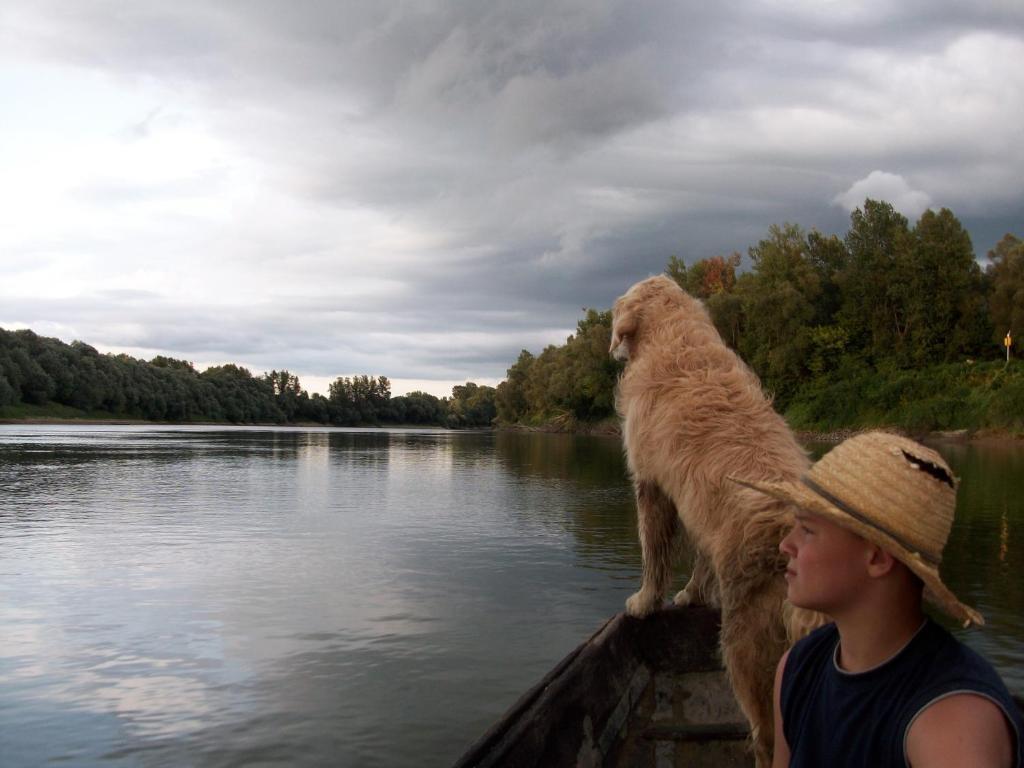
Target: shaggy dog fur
(692, 414)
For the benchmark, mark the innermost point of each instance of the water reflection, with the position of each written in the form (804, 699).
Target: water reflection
(302, 597)
(590, 460)
(212, 597)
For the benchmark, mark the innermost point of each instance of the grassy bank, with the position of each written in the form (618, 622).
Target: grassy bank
(25, 412)
(978, 397)
(55, 413)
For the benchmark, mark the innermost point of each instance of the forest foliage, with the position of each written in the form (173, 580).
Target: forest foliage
(37, 371)
(891, 324)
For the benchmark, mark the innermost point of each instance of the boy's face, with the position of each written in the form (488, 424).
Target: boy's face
(827, 564)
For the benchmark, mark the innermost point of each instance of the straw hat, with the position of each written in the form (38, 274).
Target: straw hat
(891, 491)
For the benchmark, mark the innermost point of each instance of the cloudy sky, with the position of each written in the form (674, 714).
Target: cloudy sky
(422, 189)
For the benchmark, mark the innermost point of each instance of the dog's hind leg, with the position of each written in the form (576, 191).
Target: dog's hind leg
(659, 528)
(753, 639)
(702, 588)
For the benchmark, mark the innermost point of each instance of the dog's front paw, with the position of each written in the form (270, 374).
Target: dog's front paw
(640, 605)
(683, 598)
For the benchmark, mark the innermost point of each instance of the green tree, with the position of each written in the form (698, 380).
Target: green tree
(589, 391)
(945, 297)
(1005, 272)
(781, 294)
(419, 408)
(242, 397)
(161, 361)
(359, 400)
(510, 397)
(829, 258)
(547, 384)
(36, 385)
(342, 402)
(875, 283)
(287, 391)
(7, 394)
(471, 405)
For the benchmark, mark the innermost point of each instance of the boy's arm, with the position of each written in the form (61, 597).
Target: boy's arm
(781, 757)
(960, 730)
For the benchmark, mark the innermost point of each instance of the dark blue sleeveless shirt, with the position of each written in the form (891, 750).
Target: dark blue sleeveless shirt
(837, 719)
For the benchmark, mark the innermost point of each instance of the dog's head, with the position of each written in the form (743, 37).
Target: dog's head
(636, 308)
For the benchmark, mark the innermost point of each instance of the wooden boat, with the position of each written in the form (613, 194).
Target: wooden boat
(637, 693)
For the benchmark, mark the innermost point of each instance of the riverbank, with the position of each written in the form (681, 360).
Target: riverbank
(939, 436)
(269, 425)
(610, 427)
(56, 414)
(568, 424)
(605, 428)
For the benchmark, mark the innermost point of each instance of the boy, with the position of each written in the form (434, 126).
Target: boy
(883, 685)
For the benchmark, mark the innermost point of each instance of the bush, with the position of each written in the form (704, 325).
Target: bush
(940, 397)
(1006, 407)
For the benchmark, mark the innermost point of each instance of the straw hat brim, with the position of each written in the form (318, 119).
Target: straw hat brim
(935, 591)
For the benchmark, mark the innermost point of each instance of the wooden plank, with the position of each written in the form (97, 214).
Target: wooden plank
(698, 732)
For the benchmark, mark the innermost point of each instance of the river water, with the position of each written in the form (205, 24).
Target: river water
(211, 596)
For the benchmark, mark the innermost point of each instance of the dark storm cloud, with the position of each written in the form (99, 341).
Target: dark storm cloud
(537, 156)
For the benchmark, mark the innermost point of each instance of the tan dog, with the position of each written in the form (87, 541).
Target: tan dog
(693, 413)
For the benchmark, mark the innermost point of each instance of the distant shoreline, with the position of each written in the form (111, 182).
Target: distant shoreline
(604, 428)
(58, 421)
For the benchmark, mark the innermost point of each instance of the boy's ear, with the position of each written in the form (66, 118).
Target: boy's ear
(879, 561)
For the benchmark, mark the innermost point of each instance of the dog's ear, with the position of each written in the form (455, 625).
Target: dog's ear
(624, 323)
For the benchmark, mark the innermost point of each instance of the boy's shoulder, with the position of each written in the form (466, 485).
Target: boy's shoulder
(955, 668)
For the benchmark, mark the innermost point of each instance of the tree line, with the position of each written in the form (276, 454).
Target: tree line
(37, 371)
(888, 323)
(883, 303)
